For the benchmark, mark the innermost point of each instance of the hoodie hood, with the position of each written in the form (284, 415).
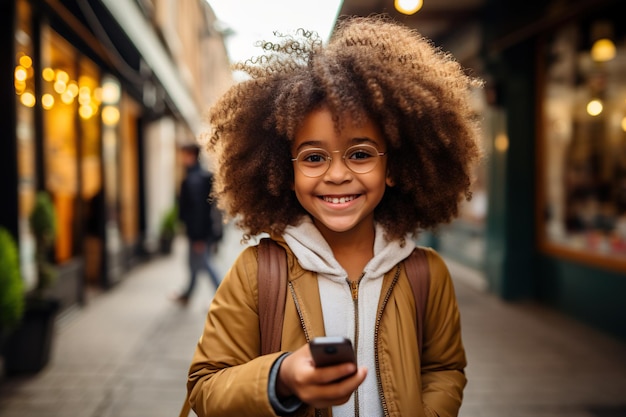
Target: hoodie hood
(314, 253)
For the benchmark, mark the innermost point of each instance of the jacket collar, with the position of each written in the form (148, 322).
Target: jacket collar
(314, 253)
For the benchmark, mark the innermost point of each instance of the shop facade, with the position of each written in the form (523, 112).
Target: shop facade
(555, 224)
(93, 113)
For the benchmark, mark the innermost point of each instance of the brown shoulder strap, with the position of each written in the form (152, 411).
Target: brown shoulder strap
(418, 272)
(272, 283)
(272, 278)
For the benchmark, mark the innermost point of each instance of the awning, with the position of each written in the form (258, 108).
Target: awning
(145, 39)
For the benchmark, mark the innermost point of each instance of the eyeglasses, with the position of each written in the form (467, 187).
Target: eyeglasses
(360, 159)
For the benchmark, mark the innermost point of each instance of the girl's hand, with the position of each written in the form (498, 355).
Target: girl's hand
(318, 387)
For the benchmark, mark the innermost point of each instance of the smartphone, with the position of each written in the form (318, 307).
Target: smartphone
(331, 350)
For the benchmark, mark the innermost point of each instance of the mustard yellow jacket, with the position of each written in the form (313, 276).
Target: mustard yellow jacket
(228, 377)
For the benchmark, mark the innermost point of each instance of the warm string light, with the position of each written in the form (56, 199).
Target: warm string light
(501, 142)
(68, 90)
(594, 107)
(111, 94)
(110, 115)
(603, 50)
(408, 7)
(21, 78)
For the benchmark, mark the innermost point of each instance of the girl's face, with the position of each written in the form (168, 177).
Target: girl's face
(339, 193)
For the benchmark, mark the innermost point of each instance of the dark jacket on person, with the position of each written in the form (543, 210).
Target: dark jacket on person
(201, 218)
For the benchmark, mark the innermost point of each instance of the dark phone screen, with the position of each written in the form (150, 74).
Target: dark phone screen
(331, 350)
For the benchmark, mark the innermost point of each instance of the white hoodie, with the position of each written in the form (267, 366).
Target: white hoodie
(340, 318)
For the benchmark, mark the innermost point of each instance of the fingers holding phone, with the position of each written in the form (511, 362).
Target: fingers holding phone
(322, 373)
(330, 351)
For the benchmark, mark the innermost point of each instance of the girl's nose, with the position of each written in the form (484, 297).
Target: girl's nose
(338, 171)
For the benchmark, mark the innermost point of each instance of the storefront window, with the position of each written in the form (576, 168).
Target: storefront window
(71, 101)
(583, 147)
(89, 93)
(60, 91)
(92, 191)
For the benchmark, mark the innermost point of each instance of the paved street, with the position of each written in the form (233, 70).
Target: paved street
(126, 353)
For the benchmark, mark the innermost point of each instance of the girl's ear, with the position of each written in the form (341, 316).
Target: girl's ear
(389, 181)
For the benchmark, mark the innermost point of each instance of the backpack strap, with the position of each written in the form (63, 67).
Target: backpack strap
(418, 272)
(272, 284)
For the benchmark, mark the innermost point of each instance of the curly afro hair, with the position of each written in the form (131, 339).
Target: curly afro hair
(371, 67)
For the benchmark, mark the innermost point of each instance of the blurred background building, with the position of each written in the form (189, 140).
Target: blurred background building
(97, 93)
(95, 96)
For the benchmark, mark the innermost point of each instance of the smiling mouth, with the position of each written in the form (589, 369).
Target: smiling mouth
(339, 200)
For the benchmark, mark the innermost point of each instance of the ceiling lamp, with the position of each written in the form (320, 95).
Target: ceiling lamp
(408, 6)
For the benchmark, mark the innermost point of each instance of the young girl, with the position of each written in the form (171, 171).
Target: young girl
(342, 153)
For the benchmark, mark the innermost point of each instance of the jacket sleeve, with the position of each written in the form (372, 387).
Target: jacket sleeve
(227, 377)
(443, 357)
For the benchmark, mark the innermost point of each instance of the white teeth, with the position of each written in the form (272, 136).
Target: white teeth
(337, 200)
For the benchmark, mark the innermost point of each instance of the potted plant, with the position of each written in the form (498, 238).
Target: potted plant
(11, 285)
(43, 225)
(168, 229)
(27, 349)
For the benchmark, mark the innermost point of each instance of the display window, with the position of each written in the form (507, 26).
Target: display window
(90, 132)
(59, 132)
(92, 186)
(582, 142)
(70, 99)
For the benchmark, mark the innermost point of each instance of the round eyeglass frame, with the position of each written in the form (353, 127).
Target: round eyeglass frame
(369, 148)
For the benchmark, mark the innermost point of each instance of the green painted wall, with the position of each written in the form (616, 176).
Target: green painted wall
(514, 267)
(509, 262)
(593, 296)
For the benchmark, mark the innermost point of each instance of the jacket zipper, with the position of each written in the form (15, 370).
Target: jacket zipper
(299, 310)
(318, 413)
(376, 329)
(354, 290)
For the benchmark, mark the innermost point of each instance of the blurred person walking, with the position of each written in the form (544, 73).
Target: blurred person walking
(201, 218)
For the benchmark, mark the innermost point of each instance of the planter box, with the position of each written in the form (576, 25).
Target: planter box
(165, 245)
(27, 348)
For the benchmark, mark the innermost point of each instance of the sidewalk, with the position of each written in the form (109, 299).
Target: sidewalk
(126, 353)
(529, 361)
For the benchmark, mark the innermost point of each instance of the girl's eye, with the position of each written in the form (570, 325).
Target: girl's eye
(360, 154)
(314, 157)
